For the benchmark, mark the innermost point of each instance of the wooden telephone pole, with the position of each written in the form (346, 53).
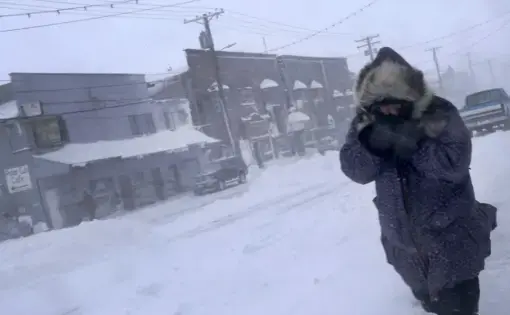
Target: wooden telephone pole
(369, 43)
(438, 69)
(493, 76)
(208, 44)
(471, 70)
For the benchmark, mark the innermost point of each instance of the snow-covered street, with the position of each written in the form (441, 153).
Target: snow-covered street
(298, 239)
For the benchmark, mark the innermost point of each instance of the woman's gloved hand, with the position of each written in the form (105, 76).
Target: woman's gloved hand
(407, 136)
(378, 139)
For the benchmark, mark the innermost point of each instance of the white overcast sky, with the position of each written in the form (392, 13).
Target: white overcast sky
(152, 41)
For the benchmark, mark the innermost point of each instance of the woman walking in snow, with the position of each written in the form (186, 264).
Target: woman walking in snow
(416, 148)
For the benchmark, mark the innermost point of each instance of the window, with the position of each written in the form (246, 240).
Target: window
(169, 121)
(142, 124)
(133, 124)
(182, 117)
(226, 151)
(247, 97)
(48, 132)
(484, 97)
(17, 139)
(150, 127)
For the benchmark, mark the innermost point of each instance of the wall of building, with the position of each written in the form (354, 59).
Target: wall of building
(122, 184)
(239, 70)
(19, 194)
(242, 74)
(330, 73)
(95, 107)
(85, 100)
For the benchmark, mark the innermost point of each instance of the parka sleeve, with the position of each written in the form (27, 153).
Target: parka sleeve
(356, 162)
(446, 153)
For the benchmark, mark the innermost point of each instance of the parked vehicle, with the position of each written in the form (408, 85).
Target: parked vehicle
(221, 174)
(487, 111)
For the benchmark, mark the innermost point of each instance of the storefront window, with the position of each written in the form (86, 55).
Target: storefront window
(48, 132)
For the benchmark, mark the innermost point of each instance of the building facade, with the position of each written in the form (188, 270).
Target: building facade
(101, 136)
(260, 88)
(19, 195)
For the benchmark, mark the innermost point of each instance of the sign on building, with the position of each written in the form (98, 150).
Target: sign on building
(31, 109)
(18, 179)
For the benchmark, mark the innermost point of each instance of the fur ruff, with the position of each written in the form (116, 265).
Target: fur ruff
(391, 79)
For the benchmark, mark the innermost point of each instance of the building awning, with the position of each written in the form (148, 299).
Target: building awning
(79, 154)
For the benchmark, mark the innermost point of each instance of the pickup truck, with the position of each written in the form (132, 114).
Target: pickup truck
(487, 111)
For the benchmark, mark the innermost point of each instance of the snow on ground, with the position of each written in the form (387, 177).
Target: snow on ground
(298, 239)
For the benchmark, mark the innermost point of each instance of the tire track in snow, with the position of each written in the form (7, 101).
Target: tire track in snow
(318, 191)
(275, 237)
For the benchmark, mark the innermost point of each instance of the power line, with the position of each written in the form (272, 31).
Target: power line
(135, 17)
(102, 108)
(96, 101)
(462, 51)
(130, 103)
(97, 86)
(455, 33)
(94, 17)
(32, 7)
(245, 25)
(445, 36)
(58, 11)
(165, 16)
(505, 24)
(326, 28)
(280, 23)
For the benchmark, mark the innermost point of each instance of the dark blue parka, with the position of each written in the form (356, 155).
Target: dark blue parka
(431, 228)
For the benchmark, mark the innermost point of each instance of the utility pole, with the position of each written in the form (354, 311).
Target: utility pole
(471, 71)
(204, 19)
(369, 44)
(438, 69)
(493, 77)
(265, 44)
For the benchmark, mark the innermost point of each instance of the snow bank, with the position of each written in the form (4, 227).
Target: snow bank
(82, 153)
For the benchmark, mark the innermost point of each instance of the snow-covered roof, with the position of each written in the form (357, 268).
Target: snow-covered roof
(9, 110)
(80, 154)
(298, 85)
(316, 85)
(268, 83)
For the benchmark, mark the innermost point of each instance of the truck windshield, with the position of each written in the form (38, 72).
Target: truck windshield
(483, 97)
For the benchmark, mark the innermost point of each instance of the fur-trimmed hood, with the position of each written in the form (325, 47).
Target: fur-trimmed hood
(391, 76)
